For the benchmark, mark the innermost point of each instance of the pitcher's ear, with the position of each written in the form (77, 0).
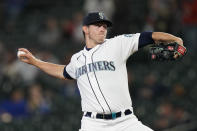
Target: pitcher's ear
(85, 29)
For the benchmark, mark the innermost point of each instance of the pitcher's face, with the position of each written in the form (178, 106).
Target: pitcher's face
(97, 32)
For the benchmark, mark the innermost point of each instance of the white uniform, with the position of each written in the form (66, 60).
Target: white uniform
(101, 76)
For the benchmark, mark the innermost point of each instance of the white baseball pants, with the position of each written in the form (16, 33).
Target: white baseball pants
(123, 123)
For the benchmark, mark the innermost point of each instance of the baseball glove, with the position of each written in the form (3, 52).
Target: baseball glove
(163, 52)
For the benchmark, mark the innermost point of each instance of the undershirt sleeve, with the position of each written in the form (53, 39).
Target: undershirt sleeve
(145, 39)
(69, 70)
(66, 75)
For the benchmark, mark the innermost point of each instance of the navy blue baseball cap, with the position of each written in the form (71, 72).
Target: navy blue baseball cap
(95, 17)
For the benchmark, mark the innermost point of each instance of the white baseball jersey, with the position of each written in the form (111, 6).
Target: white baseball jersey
(101, 74)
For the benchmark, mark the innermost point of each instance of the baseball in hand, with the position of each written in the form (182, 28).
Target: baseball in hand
(20, 53)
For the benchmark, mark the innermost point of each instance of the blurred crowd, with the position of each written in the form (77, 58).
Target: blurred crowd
(163, 94)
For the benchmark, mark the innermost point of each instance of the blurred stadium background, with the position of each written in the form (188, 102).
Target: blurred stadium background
(164, 94)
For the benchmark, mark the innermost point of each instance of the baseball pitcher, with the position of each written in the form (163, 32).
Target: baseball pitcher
(101, 73)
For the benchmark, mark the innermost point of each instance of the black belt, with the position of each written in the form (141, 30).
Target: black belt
(108, 116)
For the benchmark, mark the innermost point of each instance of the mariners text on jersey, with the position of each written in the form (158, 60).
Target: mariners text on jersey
(96, 66)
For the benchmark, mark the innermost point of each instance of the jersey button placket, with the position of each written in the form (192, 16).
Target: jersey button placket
(94, 83)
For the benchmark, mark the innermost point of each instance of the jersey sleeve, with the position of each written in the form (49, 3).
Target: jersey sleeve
(128, 44)
(69, 70)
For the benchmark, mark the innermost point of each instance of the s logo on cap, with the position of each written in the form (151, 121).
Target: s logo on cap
(101, 15)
